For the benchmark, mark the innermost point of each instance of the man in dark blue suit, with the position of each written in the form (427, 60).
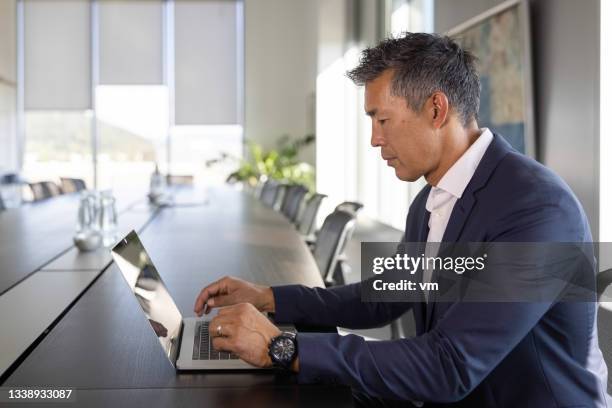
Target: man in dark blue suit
(422, 93)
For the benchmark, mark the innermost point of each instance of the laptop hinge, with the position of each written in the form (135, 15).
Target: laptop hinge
(176, 345)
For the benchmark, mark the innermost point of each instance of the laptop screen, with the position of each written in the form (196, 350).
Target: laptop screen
(150, 291)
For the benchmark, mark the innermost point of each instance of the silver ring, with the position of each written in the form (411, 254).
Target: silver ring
(219, 334)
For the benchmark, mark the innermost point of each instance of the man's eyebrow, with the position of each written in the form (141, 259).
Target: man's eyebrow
(371, 112)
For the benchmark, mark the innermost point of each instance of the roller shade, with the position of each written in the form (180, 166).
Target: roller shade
(206, 62)
(8, 41)
(57, 54)
(131, 42)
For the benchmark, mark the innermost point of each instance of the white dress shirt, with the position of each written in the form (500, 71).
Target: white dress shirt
(442, 198)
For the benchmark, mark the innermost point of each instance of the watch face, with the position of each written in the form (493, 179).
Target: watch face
(283, 349)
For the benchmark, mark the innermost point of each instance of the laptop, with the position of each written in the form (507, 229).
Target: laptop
(185, 340)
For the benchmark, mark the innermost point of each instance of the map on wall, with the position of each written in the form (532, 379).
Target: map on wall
(497, 38)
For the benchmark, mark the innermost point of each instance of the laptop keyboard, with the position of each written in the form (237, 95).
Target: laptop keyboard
(202, 345)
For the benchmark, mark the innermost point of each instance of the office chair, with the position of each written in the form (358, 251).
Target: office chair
(331, 240)
(39, 191)
(280, 196)
(306, 223)
(44, 189)
(604, 281)
(604, 319)
(350, 206)
(258, 189)
(292, 201)
(80, 184)
(72, 185)
(269, 192)
(53, 188)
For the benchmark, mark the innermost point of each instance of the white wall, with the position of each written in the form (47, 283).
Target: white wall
(605, 142)
(565, 41)
(280, 70)
(449, 13)
(8, 78)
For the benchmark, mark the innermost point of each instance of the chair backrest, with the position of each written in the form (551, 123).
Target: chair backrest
(53, 188)
(604, 318)
(604, 333)
(331, 240)
(281, 192)
(292, 201)
(350, 206)
(72, 185)
(269, 192)
(258, 189)
(80, 184)
(306, 223)
(40, 191)
(44, 189)
(68, 185)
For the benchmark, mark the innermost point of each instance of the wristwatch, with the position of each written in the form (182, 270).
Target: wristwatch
(283, 349)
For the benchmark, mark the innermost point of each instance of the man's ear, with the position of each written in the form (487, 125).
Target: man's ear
(437, 109)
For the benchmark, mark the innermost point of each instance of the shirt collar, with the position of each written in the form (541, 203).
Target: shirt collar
(456, 179)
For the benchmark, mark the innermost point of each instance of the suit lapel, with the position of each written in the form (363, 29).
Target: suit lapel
(420, 235)
(459, 216)
(424, 228)
(463, 207)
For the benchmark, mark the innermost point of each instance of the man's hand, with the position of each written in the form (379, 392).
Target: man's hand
(230, 291)
(243, 330)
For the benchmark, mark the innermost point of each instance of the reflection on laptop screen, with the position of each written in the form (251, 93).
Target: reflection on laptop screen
(150, 291)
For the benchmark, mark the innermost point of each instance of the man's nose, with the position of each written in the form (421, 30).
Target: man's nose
(377, 139)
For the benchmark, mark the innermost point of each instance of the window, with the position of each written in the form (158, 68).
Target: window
(57, 92)
(194, 148)
(348, 168)
(58, 145)
(132, 134)
(107, 84)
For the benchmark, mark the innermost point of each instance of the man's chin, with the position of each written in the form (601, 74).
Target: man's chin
(405, 176)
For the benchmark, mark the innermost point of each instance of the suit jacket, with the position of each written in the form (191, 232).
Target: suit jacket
(517, 354)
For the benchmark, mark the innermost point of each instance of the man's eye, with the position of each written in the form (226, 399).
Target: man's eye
(382, 121)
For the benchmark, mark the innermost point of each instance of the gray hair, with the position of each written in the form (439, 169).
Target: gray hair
(423, 64)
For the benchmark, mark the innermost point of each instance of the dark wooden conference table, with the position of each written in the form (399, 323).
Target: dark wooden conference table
(102, 346)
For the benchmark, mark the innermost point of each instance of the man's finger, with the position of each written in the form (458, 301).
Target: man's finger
(226, 330)
(203, 297)
(221, 301)
(223, 344)
(209, 291)
(217, 321)
(228, 310)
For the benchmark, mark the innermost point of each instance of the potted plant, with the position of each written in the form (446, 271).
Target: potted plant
(280, 164)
